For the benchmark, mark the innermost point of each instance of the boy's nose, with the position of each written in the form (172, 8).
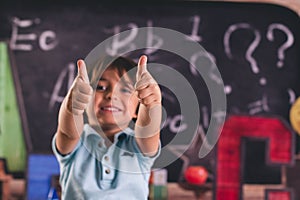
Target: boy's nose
(111, 94)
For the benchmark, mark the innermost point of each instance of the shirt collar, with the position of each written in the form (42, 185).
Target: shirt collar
(91, 132)
(95, 142)
(123, 134)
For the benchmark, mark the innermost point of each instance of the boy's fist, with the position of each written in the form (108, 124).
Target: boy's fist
(80, 92)
(147, 88)
(70, 118)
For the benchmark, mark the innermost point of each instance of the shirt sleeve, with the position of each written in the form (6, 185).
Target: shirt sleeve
(146, 162)
(63, 159)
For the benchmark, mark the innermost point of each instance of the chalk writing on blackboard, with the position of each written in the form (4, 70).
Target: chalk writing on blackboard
(127, 44)
(255, 43)
(68, 74)
(47, 39)
(289, 42)
(259, 106)
(195, 29)
(251, 48)
(292, 96)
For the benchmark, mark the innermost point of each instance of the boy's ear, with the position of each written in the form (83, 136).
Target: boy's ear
(134, 117)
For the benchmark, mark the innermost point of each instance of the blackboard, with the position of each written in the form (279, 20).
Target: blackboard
(244, 38)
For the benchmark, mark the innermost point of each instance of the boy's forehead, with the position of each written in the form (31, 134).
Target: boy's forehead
(114, 73)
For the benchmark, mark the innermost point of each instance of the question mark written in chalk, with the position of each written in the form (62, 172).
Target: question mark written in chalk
(212, 69)
(289, 42)
(250, 49)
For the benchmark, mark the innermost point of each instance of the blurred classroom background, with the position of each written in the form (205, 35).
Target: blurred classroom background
(257, 154)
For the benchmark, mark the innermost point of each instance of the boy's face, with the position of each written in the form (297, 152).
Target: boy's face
(115, 103)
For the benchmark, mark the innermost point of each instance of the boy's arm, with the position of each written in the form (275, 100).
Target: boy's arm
(70, 119)
(147, 128)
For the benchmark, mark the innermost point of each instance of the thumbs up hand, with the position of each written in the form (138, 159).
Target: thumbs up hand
(80, 92)
(147, 88)
(70, 117)
(147, 127)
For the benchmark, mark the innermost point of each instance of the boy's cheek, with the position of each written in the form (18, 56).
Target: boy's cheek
(133, 103)
(91, 113)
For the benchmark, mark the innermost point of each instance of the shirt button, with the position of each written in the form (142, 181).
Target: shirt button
(106, 158)
(100, 144)
(107, 171)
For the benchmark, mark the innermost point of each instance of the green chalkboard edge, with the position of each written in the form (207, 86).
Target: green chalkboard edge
(20, 101)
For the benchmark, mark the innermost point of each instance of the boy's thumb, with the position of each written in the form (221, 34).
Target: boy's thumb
(82, 72)
(142, 67)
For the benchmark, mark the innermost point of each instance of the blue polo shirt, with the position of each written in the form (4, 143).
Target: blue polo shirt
(93, 171)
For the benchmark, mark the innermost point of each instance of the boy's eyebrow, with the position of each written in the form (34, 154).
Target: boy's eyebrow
(124, 82)
(103, 80)
(127, 83)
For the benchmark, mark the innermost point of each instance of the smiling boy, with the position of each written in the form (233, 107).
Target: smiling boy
(105, 159)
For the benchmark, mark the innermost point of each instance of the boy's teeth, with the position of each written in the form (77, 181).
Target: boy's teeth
(110, 109)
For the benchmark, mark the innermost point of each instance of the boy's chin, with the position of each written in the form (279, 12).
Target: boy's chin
(113, 124)
(119, 125)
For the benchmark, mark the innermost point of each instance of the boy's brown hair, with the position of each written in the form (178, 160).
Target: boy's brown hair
(121, 64)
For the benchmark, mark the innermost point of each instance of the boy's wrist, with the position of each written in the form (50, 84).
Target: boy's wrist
(149, 121)
(69, 123)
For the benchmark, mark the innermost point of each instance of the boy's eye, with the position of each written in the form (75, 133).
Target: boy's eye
(126, 90)
(101, 88)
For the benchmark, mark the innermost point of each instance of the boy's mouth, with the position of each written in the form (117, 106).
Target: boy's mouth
(110, 109)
